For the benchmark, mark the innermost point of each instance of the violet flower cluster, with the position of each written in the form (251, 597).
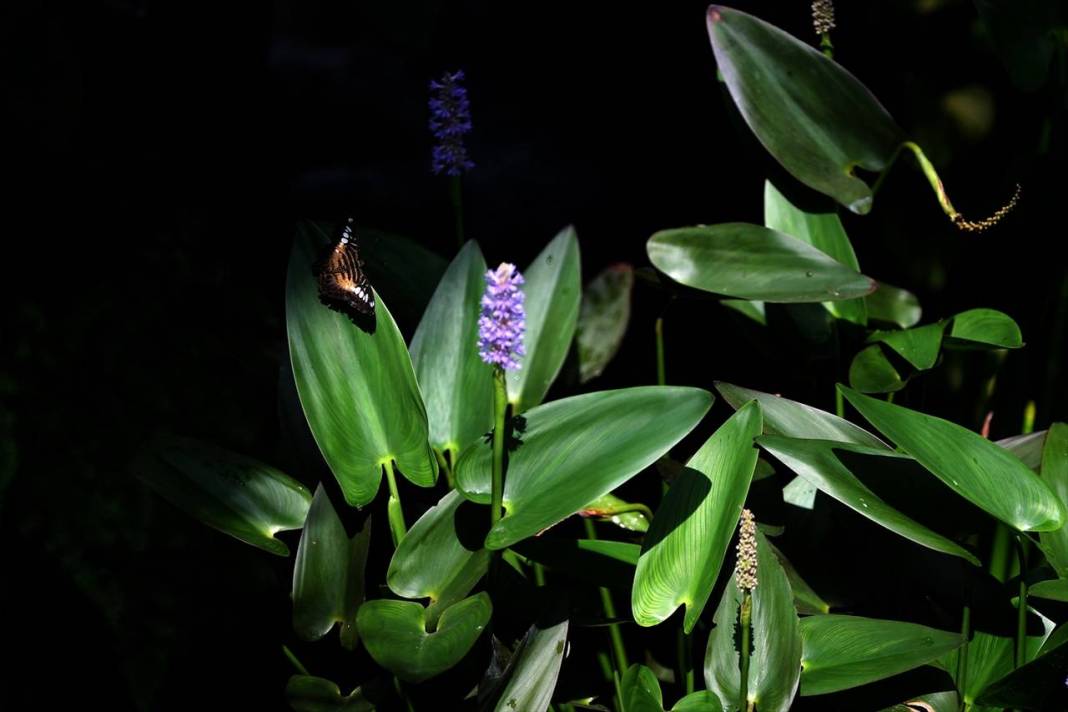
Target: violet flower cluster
(450, 119)
(501, 325)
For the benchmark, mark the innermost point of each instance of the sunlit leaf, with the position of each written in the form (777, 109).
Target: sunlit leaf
(919, 346)
(607, 509)
(641, 690)
(700, 701)
(603, 319)
(533, 679)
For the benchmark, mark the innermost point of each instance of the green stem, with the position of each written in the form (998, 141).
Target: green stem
(619, 652)
(455, 197)
(394, 511)
(661, 378)
(744, 618)
(539, 575)
(962, 655)
(1020, 654)
(500, 406)
(293, 659)
(443, 464)
(684, 656)
(402, 694)
(826, 46)
(839, 402)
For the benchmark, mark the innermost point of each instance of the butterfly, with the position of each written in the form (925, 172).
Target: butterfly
(343, 285)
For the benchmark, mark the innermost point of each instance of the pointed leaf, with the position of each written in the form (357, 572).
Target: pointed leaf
(840, 652)
(817, 462)
(641, 690)
(983, 473)
(986, 326)
(823, 231)
(893, 305)
(355, 591)
(1055, 474)
(577, 449)
(457, 386)
(553, 292)
(603, 319)
(320, 574)
(685, 545)
(753, 262)
(812, 115)
(919, 346)
(1027, 447)
(871, 372)
(1054, 590)
(235, 494)
(752, 308)
(533, 678)
(358, 389)
(306, 693)
(395, 635)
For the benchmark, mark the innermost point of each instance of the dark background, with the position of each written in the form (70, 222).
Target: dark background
(160, 153)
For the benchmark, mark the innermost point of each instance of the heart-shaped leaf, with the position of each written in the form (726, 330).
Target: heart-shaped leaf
(553, 293)
(817, 462)
(1055, 474)
(752, 262)
(840, 652)
(235, 494)
(812, 115)
(358, 389)
(395, 635)
(775, 662)
(823, 231)
(577, 449)
(328, 574)
(685, 545)
(457, 386)
(306, 693)
(603, 319)
(978, 470)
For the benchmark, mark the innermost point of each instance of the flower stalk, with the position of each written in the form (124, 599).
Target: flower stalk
(745, 577)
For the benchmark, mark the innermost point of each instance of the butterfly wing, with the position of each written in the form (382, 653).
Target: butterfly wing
(343, 284)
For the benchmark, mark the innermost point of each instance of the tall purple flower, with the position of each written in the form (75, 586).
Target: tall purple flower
(450, 119)
(500, 328)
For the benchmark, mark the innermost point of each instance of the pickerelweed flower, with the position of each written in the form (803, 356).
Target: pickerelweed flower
(450, 119)
(500, 328)
(745, 567)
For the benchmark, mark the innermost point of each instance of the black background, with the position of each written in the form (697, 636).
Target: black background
(160, 153)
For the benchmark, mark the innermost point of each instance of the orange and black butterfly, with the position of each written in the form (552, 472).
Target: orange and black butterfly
(343, 285)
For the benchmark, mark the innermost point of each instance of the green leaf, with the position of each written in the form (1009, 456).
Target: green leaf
(457, 386)
(1055, 474)
(553, 293)
(753, 262)
(840, 652)
(395, 635)
(700, 701)
(328, 574)
(775, 660)
(990, 658)
(812, 115)
(986, 326)
(871, 372)
(754, 309)
(684, 548)
(800, 493)
(975, 468)
(823, 231)
(641, 690)
(1054, 590)
(1039, 684)
(918, 346)
(306, 693)
(603, 319)
(893, 305)
(806, 600)
(818, 462)
(533, 678)
(235, 494)
(577, 449)
(441, 557)
(1028, 447)
(606, 508)
(934, 702)
(358, 389)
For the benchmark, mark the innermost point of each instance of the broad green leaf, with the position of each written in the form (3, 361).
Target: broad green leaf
(553, 292)
(533, 678)
(919, 346)
(1054, 590)
(700, 701)
(983, 473)
(402, 271)
(1040, 684)
(752, 262)
(358, 389)
(603, 319)
(1055, 474)
(457, 386)
(607, 509)
(754, 309)
(235, 494)
(823, 231)
(577, 449)
(840, 652)
(817, 462)
(812, 115)
(641, 690)
(893, 305)
(685, 546)
(598, 561)
(986, 326)
(990, 658)
(871, 372)
(441, 557)
(934, 702)
(775, 659)
(328, 573)
(396, 636)
(306, 693)
(806, 600)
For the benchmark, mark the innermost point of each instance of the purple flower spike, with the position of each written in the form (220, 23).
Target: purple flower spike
(500, 328)
(450, 119)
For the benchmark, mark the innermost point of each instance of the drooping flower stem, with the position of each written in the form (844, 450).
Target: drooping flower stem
(500, 407)
(394, 511)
